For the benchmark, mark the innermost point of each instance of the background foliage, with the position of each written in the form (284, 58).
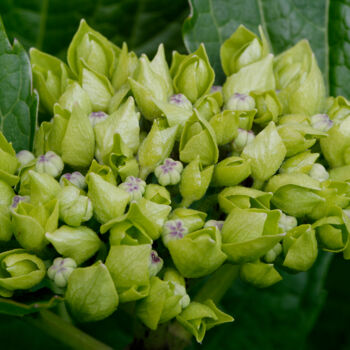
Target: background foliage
(284, 316)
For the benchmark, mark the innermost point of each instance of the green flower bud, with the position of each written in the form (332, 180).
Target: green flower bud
(43, 187)
(107, 200)
(49, 163)
(161, 304)
(296, 134)
(155, 264)
(169, 173)
(300, 248)
(209, 105)
(268, 105)
(248, 234)
(299, 80)
(74, 94)
(244, 198)
(180, 100)
(155, 148)
(286, 222)
(336, 147)
(230, 171)
(296, 194)
(173, 230)
(319, 172)
(124, 166)
(259, 274)
(79, 243)
(273, 253)
(241, 49)
(91, 48)
(50, 77)
(134, 186)
(194, 76)
(129, 267)
(300, 163)
(321, 122)
(8, 162)
(19, 270)
(240, 102)
(195, 181)
(75, 178)
(243, 138)
(338, 109)
(198, 139)
(332, 232)
(157, 194)
(24, 157)
(125, 122)
(103, 170)
(91, 294)
(60, 270)
(97, 117)
(225, 126)
(151, 84)
(197, 318)
(266, 153)
(74, 208)
(179, 283)
(31, 222)
(187, 253)
(257, 76)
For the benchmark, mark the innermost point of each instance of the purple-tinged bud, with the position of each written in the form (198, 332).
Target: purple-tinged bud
(156, 263)
(169, 173)
(240, 102)
(76, 178)
(49, 163)
(173, 230)
(134, 186)
(60, 271)
(321, 122)
(17, 199)
(214, 223)
(216, 88)
(97, 117)
(180, 100)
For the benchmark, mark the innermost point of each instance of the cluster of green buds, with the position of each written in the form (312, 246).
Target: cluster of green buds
(167, 178)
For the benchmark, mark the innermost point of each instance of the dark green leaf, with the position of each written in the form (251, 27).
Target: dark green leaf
(18, 103)
(15, 308)
(50, 25)
(324, 23)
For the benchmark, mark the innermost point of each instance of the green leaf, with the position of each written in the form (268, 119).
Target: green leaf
(285, 22)
(15, 308)
(18, 102)
(50, 25)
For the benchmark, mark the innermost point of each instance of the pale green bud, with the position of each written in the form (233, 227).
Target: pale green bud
(225, 126)
(209, 105)
(60, 270)
(169, 173)
(287, 222)
(319, 172)
(49, 163)
(74, 208)
(268, 107)
(75, 178)
(134, 186)
(273, 253)
(240, 102)
(181, 290)
(243, 139)
(155, 263)
(24, 157)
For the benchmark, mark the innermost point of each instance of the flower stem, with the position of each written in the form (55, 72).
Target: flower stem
(64, 332)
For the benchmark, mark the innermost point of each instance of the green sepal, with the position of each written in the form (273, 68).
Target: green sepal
(300, 248)
(91, 294)
(300, 163)
(158, 194)
(209, 105)
(188, 253)
(225, 126)
(341, 174)
(129, 268)
(198, 139)
(197, 318)
(268, 107)
(8, 162)
(230, 171)
(192, 219)
(104, 171)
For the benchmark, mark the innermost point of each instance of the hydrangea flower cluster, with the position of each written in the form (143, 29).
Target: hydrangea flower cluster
(169, 179)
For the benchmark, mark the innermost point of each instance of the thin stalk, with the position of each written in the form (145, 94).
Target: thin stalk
(64, 332)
